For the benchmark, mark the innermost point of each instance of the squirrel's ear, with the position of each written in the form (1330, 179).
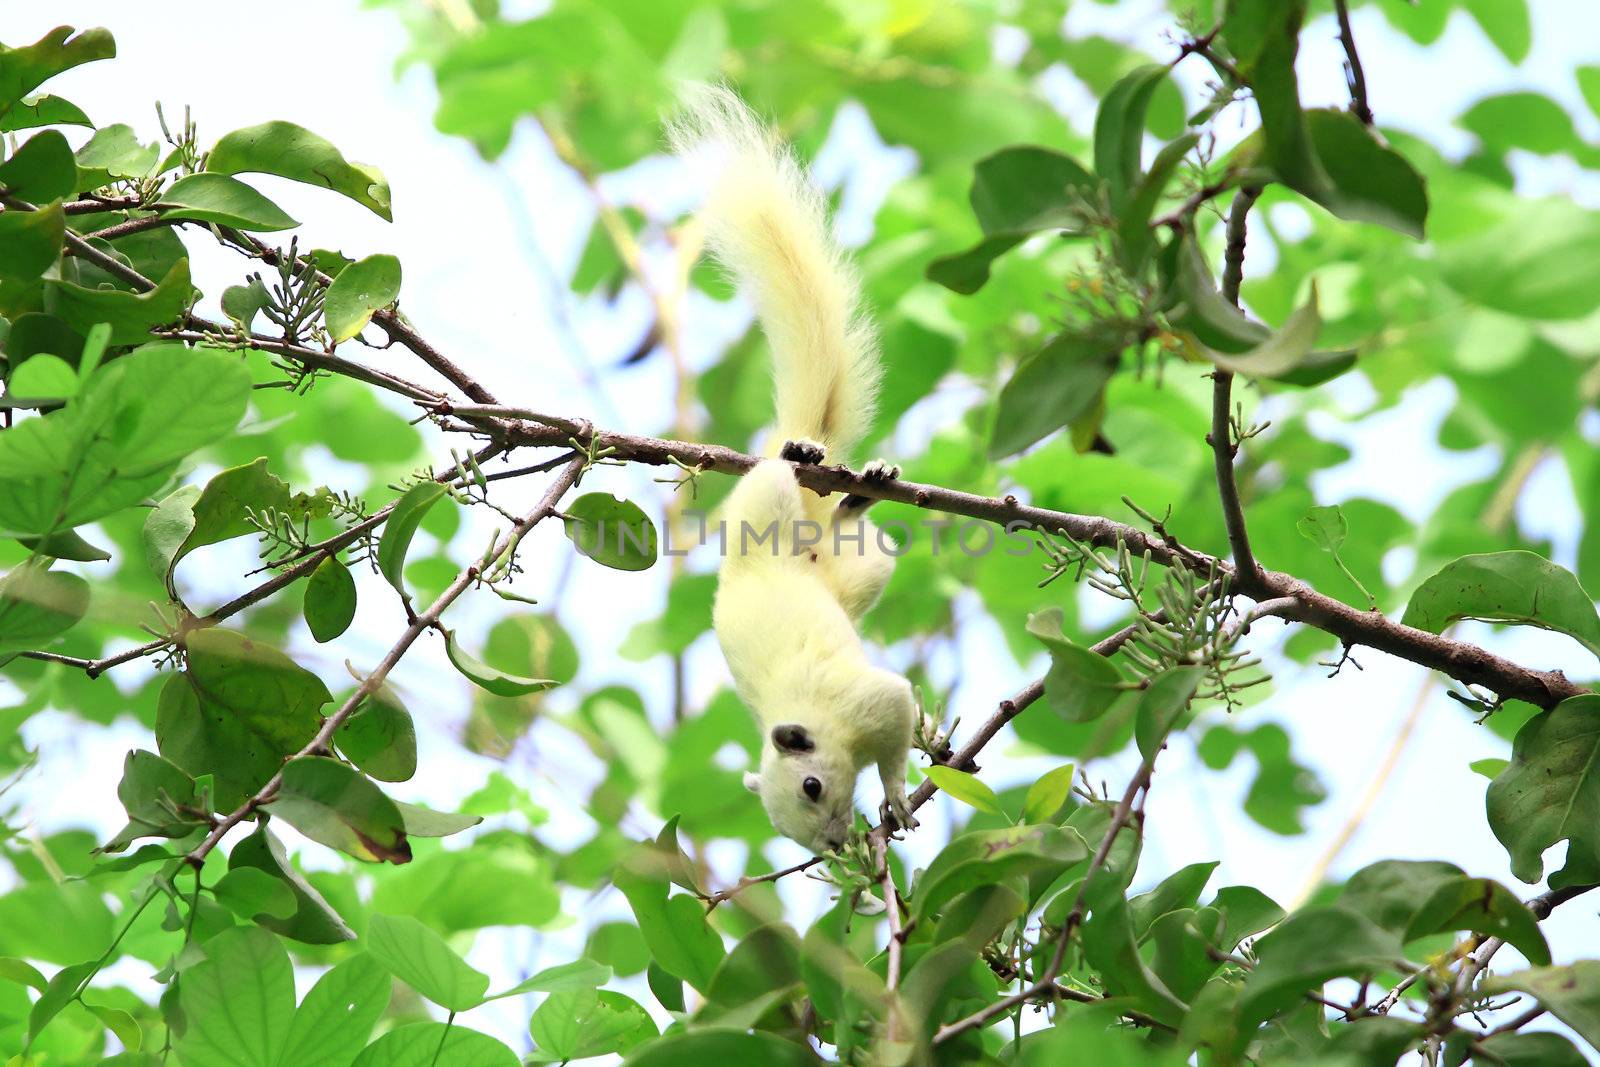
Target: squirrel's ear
(752, 781)
(790, 738)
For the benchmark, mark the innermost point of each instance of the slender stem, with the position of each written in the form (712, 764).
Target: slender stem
(1355, 77)
(424, 621)
(1223, 448)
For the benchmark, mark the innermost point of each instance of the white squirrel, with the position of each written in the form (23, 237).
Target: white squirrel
(787, 607)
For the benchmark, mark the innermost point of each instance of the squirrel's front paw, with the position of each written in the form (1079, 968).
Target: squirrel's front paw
(880, 471)
(802, 451)
(898, 806)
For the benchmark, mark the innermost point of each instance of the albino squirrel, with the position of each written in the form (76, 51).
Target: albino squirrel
(786, 609)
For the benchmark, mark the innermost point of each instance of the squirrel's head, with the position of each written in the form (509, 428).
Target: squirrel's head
(808, 790)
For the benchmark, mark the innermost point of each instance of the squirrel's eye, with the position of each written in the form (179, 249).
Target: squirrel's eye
(813, 788)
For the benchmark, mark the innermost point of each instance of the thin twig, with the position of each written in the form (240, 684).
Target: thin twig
(1354, 76)
(369, 685)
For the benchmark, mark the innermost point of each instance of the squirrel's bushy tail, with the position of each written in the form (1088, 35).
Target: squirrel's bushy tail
(768, 225)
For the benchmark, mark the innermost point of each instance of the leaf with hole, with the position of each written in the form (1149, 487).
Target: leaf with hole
(24, 69)
(293, 152)
(578, 1023)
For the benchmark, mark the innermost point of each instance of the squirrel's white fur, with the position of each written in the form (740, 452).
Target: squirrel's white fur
(786, 610)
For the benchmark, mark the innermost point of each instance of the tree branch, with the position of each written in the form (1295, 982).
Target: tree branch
(424, 621)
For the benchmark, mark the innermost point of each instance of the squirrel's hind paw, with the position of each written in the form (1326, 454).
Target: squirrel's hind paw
(900, 808)
(802, 451)
(880, 471)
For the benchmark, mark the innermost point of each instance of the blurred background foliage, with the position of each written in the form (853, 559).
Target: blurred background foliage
(1500, 301)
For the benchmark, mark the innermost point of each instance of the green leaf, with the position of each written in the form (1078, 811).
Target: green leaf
(698, 1048)
(1506, 24)
(425, 822)
(1204, 312)
(1081, 684)
(1517, 587)
(1288, 355)
(335, 804)
(1551, 790)
(330, 602)
(1310, 948)
(401, 527)
(1540, 252)
(675, 927)
(1051, 388)
(486, 677)
(1533, 1050)
(1369, 181)
(562, 978)
(238, 1002)
(1164, 700)
(1490, 767)
(30, 241)
(314, 920)
(236, 712)
(362, 288)
(1483, 907)
(167, 527)
(380, 738)
(210, 197)
(1133, 221)
(578, 1023)
(250, 891)
(334, 1021)
(1119, 130)
(23, 70)
(22, 972)
(1179, 890)
(63, 987)
(113, 153)
(1390, 892)
(37, 604)
(41, 170)
(117, 440)
(42, 110)
(155, 793)
(1047, 794)
(614, 533)
(293, 152)
(1522, 120)
(967, 788)
(435, 1045)
(986, 856)
(420, 958)
(42, 377)
(224, 508)
(1572, 993)
(130, 315)
(1016, 192)
(242, 303)
(1324, 526)
(1247, 911)
(1110, 948)
(1589, 86)
(1282, 787)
